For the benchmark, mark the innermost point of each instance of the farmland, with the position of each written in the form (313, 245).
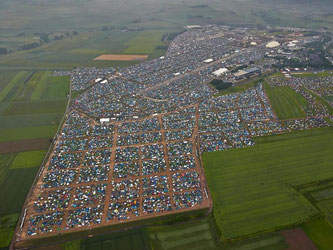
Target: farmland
(12, 134)
(199, 234)
(28, 159)
(255, 190)
(31, 107)
(74, 41)
(286, 102)
(12, 193)
(252, 188)
(320, 232)
(144, 43)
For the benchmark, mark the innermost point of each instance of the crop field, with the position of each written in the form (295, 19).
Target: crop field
(31, 107)
(6, 235)
(14, 187)
(28, 159)
(320, 194)
(252, 188)
(80, 50)
(5, 162)
(35, 107)
(144, 43)
(131, 240)
(5, 78)
(10, 84)
(286, 102)
(320, 232)
(24, 145)
(42, 86)
(199, 234)
(13, 134)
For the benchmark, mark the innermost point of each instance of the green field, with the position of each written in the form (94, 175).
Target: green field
(43, 86)
(106, 33)
(12, 134)
(35, 107)
(28, 159)
(14, 187)
(31, 106)
(320, 232)
(286, 103)
(313, 74)
(252, 188)
(320, 194)
(199, 234)
(5, 162)
(131, 240)
(6, 235)
(144, 43)
(11, 84)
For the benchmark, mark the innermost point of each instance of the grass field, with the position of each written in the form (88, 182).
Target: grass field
(13, 134)
(41, 86)
(5, 162)
(144, 43)
(35, 107)
(320, 232)
(6, 235)
(320, 194)
(10, 84)
(31, 106)
(286, 103)
(14, 187)
(5, 78)
(131, 240)
(199, 234)
(29, 120)
(252, 188)
(28, 159)
(313, 74)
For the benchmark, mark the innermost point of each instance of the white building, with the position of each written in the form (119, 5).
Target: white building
(208, 60)
(104, 120)
(273, 44)
(220, 71)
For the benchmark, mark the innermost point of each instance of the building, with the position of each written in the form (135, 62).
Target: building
(273, 44)
(220, 71)
(104, 120)
(190, 27)
(208, 60)
(246, 72)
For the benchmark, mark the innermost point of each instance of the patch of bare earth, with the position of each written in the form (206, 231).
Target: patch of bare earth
(298, 240)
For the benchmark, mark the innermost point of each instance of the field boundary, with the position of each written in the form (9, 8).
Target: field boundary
(21, 219)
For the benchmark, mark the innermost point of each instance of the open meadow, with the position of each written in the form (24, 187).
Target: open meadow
(286, 102)
(253, 188)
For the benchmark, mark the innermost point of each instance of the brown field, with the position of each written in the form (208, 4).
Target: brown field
(298, 240)
(24, 145)
(121, 57)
